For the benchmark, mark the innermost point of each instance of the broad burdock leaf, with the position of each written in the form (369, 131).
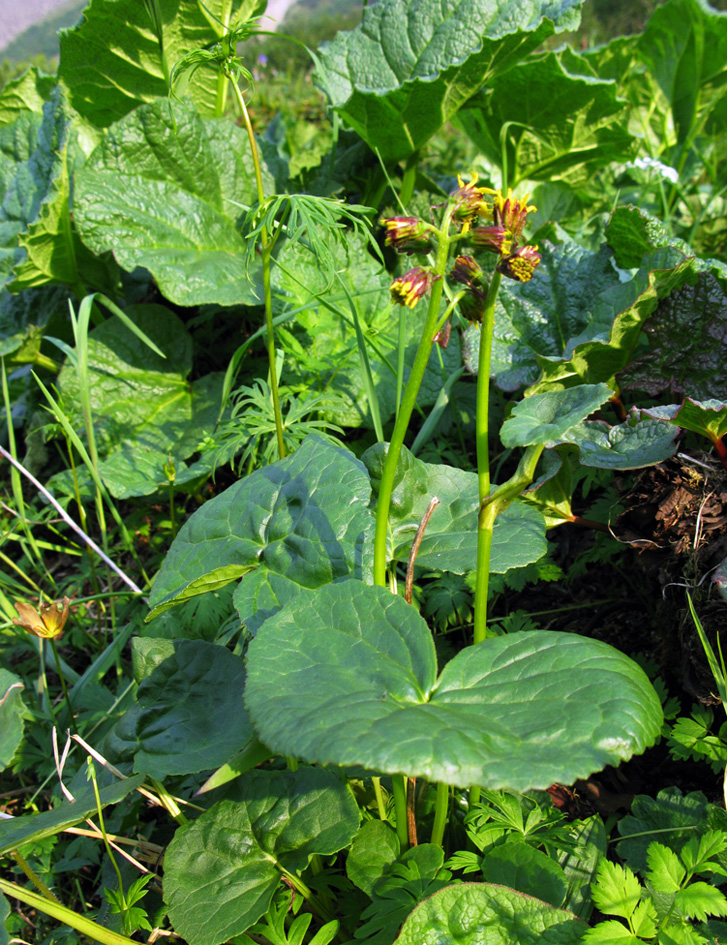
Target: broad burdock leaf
(547, 418)
(27, 92)
(450, 539)
(191, 714)
(12, 709)
(348, 676)
(568, 125)
(687, 337)
(706, 417)
(221, 870)
(474, 913)
(633, 444)
(400, 75)
(632, 233)
(299, 523)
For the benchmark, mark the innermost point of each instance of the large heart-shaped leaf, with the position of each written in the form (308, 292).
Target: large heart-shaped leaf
(11, 716)
(220, 871)
(475, 913)
(568, 125)
(450, 539)
(547, 418)
(118, 57)
(322, 345)
(167, 197)
(191, 714)
(145, 411)
(348, 676)
(410, 65)
(298, 523)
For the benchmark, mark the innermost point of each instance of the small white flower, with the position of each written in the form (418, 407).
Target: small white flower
(649, 163)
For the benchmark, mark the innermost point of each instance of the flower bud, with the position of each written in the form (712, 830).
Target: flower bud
(409, 288)
(468, 201)
(48, 624)
(494, 239)
(467, 271)
(511, 212)
(407, 234)
(521, 264)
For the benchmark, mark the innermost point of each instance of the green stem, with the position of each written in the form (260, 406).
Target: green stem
(109, 851)
(265, 249)
(440, 813)
(410, 176)
(33, 877)
(63, 685)
(398, 785)
(486, 522)
(380, 805)
(408, 402)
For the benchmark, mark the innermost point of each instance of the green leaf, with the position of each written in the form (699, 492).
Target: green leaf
(687, 335)
(474, 913)
(666, 873)
(557, 125)
(669, 811)
(347, 676)
(547, 418)
(616, 891)
(115, 58)
(450, 540)
(633, 444)
(400, 75)
(610, 933)
(521, 867)
(298, 523)
(321, 346)
(581, 862)
(700, 900)
(191, 714)
(632, 233)
(706, 417)
(4, 913)
(27, 92)
(31, 828)
(221, 870)
(12, 709)
(144, 408)
(374, 849)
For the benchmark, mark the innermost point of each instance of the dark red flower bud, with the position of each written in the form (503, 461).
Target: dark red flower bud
(409, 288)
(407, 234)
(494, 239)
(521, 264)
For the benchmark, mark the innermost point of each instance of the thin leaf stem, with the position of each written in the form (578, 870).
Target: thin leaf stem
(265, 251)
(441, 810)
(486, 521)
(380, 805)
(33, 877)
(398, 786)
(62, 678)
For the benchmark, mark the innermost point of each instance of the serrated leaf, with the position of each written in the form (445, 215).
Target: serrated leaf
(610, 932)
(450, 540)
(617, 891)
(633, 444)
(409, 66)
(191, 716)
(700, 900)
(666, 873)
(12, 709)
(464, 913)
(547, 418)
(222, 869)
(347, 676)
(301, 522)
(569, 124)
(681, 816)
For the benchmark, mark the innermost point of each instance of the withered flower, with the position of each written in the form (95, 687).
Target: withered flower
(46, 622)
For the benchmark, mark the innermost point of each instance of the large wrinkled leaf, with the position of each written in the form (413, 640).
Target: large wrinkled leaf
(685, 47)
(348, 676)
(144, 409)
(706, 417)
(322, 347)
(191, 714)
(450, 539)
(568, 125)
(547, 418)
(482, 914)
(23, 316)
(220, 871)
(633, 444)
(27, 92)
(168, 200)
(687, 337)
(298, 523)
(632, 233)
(114, 59)
(35, 827)
(409, 66)
(11, 715)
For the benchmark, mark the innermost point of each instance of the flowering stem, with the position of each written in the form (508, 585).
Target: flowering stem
(408, 402)
(487, 517)
(63, 684)
(265, 251)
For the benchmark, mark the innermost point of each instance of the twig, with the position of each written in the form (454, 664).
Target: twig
(415, 549)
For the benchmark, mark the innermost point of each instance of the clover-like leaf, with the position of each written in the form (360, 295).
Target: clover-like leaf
(547, 418)
(347, 675)
(298, 523)
(465, 913)
(221, 870)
